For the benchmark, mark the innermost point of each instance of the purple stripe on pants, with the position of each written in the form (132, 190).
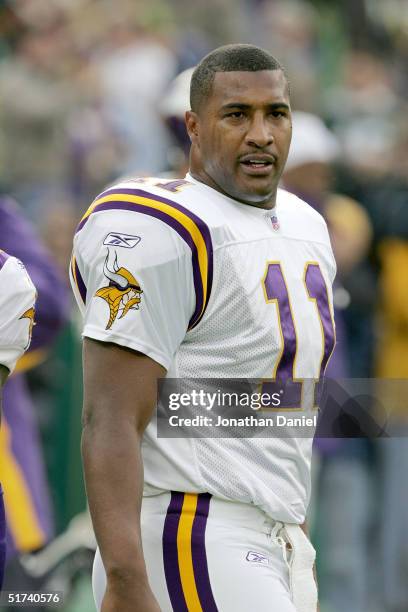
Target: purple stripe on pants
(170, 553)
(201, 575)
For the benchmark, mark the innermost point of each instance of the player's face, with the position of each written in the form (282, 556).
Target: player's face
(241, 136)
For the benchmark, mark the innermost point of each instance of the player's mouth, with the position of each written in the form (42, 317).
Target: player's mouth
(257, 164)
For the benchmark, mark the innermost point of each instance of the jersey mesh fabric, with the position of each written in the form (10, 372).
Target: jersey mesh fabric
(249, 466)
(242, 469)
(212, 350)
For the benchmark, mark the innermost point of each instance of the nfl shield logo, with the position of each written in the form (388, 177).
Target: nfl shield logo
(275, 223)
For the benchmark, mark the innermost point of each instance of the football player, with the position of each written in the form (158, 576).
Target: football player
(23, 475)
(218, 275)
(17, 300)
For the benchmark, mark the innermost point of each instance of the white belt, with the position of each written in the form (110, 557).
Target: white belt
(300, 556)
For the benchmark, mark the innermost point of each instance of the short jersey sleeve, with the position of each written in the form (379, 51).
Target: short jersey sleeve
(132, 277)
(17, 303)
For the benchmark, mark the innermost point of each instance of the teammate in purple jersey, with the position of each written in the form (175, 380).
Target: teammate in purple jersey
(20, 449)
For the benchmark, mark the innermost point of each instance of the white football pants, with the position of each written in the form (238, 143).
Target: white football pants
(204, 554)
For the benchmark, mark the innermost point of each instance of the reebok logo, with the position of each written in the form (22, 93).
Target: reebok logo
(255, 557)
(126, 241)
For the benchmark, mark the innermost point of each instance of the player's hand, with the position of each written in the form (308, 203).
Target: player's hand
(129, 598)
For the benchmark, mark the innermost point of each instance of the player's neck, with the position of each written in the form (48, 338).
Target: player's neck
(201, 176)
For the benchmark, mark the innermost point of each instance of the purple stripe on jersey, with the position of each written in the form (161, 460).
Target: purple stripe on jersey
(201, 574)
(80, 283)
(2, 537)
(178, 227)
(276, 289)
(170, 553)
(3, 258)
(317, 289)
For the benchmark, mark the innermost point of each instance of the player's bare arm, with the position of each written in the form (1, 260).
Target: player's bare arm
(120, 395)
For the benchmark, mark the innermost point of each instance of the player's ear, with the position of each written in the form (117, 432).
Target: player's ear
(192, 126)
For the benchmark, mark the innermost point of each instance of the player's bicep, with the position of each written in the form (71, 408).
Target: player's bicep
(119, 384)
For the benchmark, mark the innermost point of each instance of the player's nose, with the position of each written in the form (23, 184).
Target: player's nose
(259, 132)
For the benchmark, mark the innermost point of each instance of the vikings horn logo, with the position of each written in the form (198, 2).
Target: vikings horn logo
(29, 314)
(122, 294)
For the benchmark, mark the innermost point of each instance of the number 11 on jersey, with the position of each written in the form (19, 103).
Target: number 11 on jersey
(276, 292)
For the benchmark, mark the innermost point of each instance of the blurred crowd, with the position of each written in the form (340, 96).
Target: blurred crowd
(87, 94)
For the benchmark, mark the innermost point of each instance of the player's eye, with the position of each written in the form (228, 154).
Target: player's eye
(236, 114)
(278, 113)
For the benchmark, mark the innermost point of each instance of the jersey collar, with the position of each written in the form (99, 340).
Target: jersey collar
(253, 210)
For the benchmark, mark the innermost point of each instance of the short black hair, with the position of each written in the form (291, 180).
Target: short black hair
(229, 58)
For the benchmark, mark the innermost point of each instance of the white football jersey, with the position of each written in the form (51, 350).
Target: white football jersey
(17, 301)
(212, 288)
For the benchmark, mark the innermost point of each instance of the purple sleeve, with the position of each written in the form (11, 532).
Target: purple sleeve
(18, 238)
